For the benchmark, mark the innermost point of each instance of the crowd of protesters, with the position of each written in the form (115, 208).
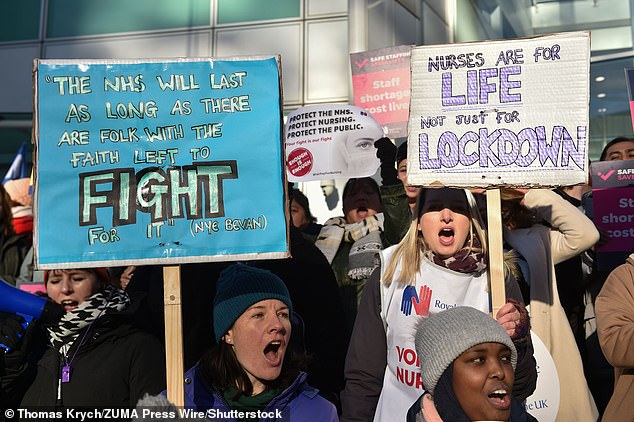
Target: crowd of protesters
(341, 329)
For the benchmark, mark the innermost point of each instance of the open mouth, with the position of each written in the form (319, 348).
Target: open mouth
(446, 236)
(500, 398)
(362, 212)
(69, 305)
(274, 353)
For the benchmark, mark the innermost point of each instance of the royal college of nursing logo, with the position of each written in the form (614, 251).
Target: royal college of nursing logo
(419, 301)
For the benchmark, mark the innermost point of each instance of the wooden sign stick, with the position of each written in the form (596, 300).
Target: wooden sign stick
(496, 252)
(173, 335)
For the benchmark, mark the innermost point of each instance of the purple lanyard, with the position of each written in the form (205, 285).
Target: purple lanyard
(66, 369)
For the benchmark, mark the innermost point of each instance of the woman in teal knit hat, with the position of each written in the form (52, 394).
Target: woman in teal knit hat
(253, 373)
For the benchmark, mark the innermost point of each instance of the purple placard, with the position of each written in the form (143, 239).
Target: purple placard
(612, 174)
(614, 212)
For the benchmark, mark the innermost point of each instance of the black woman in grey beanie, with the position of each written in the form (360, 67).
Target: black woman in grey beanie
(467, 364)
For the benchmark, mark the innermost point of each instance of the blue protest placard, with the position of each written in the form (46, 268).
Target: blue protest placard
(158, 161)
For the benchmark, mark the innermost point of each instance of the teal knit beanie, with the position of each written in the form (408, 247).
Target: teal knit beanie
(239, 287)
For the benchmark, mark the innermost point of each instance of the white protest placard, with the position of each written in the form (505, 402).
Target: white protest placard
(500, 113)
(543, 404)
(331, 141)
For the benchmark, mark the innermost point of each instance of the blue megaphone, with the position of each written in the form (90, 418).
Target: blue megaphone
(27, 305)
(16, 301)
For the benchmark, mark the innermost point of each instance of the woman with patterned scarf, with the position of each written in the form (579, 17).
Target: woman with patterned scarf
(93, 357)
(440, 264)
(352, 243)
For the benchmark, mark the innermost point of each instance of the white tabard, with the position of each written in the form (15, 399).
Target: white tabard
(402, 307)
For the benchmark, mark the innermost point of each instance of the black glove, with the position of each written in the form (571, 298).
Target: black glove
(12, 328)
(385, 150)
(386, 153)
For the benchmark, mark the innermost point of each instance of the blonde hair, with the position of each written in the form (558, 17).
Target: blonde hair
(412, 248)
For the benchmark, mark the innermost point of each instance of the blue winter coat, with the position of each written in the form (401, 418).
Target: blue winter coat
(298, 403)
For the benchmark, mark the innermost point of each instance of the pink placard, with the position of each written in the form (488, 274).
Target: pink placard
(34, 287)
(382, 85)
(629, 79)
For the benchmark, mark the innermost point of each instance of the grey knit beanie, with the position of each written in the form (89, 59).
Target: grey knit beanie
(442, 337)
